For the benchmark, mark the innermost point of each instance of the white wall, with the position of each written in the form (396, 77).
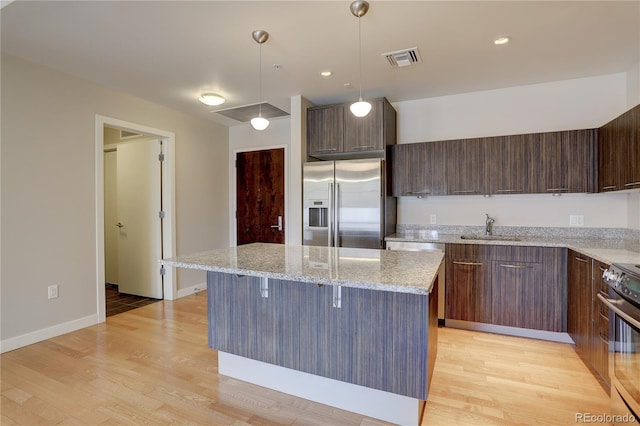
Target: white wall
(564, 105)
(48, 193)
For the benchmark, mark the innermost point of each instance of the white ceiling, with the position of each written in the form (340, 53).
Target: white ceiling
(169, 52)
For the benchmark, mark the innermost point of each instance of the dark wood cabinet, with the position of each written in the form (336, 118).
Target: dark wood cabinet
(579, 300)
(619, 152)
(334, 132)
(566, 161)
(325, 130)
(528, 287)
(466, 167)
(514, 286)
(468, 283)
(587, 316)
(511, 164)
(418, 169)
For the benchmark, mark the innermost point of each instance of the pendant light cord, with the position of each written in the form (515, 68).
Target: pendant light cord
(360, 56)
(260, 81)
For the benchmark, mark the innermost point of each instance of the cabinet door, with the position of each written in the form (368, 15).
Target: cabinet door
(630, 135)
(365, 133)
(511, 160)
(418, 169)
(609, 158)
(517, 294)
(325, 130)
(566, 161)
(579, 301)
(468, 285)
(466, 170)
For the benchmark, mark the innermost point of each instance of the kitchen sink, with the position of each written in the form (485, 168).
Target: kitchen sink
(489, 237)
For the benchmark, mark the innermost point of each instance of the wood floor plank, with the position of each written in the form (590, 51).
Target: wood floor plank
(152, 366)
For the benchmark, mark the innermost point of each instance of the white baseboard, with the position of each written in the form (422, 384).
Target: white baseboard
(12, 343)
(192, 290)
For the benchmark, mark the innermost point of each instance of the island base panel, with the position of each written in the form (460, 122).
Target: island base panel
(369, 402)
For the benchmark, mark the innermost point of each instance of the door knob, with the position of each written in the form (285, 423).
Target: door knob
(119, 225)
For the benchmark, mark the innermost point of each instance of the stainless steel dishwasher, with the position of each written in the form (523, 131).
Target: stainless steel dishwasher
(423, 246)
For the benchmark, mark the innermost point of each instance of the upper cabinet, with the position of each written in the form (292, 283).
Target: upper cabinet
(566, 161)
(512, 163)
(554, 162)
(619, 153)
(466, 170)
(334, 132)
(418, 169)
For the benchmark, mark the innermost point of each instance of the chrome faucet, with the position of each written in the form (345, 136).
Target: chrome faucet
(488, 229)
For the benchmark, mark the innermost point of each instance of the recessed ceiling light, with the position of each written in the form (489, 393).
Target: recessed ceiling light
(502, 40)
(211, 99)
(326, 73)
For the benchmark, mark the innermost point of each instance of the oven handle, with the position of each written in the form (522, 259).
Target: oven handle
(613, 305)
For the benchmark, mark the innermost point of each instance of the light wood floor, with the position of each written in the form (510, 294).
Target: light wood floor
(152, 366)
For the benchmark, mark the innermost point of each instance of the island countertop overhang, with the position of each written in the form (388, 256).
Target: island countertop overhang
(385, 270)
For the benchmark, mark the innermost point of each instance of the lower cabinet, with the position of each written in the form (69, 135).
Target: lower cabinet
(587, 316)
(515, 286)
(378, 339)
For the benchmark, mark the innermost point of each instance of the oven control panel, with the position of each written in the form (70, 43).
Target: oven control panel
(625, 279)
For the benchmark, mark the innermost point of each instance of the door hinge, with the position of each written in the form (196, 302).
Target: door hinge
(162, 270)
(161, 157)
(161, 214)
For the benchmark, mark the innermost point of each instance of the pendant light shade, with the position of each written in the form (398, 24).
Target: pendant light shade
(259, 122)
(360, 108)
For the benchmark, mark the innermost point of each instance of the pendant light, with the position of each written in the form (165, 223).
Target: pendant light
(259, 122)
(361, 108)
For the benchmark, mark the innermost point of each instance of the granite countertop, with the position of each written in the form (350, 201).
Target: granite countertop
(396, 271)
(605, 250)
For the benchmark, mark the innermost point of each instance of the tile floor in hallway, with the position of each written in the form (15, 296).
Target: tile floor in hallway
(118, 303)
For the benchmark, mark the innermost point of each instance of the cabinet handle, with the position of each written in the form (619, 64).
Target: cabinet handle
(579, 259)
(356, 148)
(609, 187)
(605, 339)
(557, 189)
(509, 190)
(325, 150)
(337, 296)
(632, 184)
(455, 262)
(515, 266)
(466, 191)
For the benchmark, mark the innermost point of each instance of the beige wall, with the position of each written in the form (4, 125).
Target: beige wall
(48, 193)
(563, 105)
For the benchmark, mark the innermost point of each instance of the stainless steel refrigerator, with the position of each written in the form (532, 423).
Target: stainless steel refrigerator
(346, 204)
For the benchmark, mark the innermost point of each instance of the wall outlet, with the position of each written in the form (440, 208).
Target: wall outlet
(432, 219)
(576, 220)
(52, 291)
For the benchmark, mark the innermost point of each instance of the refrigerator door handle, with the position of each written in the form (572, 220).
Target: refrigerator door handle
(330, 218)
(336, 225)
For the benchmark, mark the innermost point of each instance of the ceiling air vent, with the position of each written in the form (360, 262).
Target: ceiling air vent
(403, 58)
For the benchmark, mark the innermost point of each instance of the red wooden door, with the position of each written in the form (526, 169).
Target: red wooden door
(260, 196)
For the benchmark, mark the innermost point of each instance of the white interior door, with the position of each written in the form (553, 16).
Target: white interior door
(139, 204)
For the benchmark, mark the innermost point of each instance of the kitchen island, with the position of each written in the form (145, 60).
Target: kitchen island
(351, 328)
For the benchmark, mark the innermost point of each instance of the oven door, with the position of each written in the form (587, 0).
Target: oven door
(624, 351)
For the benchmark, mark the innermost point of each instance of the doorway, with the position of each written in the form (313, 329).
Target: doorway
(260, 196)
(148, 159)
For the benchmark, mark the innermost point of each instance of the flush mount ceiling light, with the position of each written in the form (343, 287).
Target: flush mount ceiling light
(326, 73)
(502, 40)
(211, 99)
(259, 122)
(359, 9)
